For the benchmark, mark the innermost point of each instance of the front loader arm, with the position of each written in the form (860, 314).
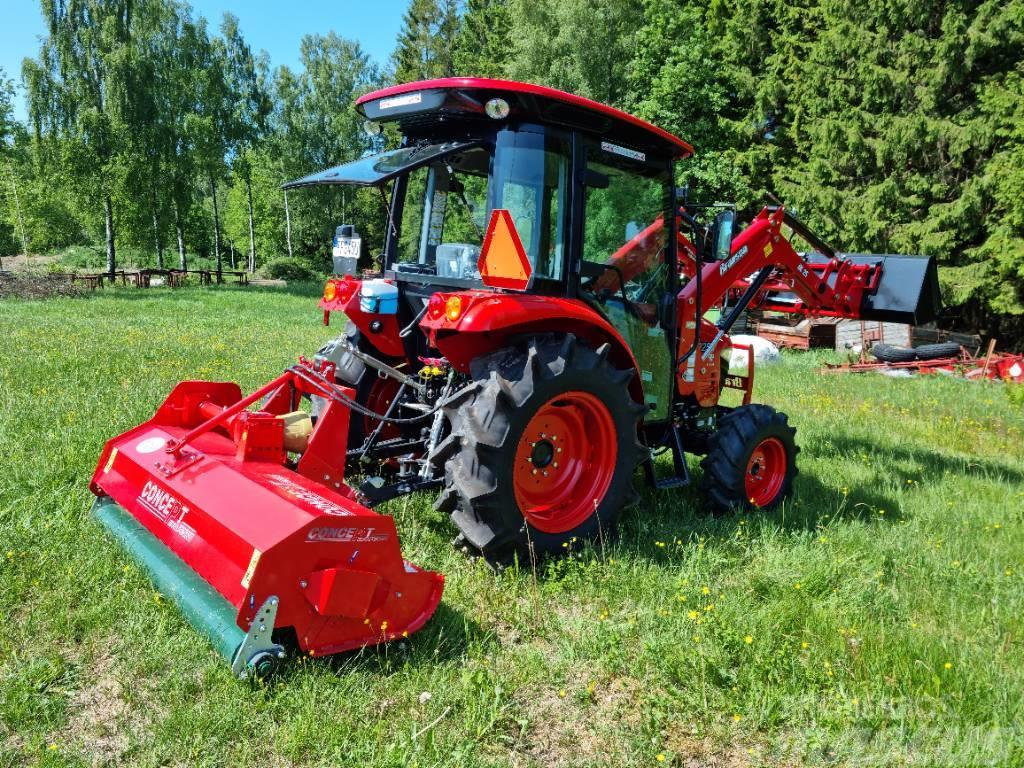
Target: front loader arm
(829, 284)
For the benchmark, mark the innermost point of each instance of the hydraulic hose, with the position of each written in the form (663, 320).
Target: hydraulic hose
(329, 391)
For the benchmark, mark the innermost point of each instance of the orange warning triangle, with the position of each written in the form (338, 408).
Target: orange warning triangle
(503, 262)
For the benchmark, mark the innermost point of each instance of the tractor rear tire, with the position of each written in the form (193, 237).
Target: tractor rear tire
(751, 459)
(542, 449)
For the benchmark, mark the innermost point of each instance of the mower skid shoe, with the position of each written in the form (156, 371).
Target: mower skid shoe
(247, 547)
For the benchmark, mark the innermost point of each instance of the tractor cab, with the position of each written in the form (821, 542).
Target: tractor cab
(503, 185)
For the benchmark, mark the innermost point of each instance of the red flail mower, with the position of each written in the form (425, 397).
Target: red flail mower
(540, 330)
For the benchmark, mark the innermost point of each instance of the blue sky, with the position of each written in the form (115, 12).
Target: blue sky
(275, 26)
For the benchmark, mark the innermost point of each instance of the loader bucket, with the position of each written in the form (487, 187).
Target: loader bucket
(240, 536)
(907, 290)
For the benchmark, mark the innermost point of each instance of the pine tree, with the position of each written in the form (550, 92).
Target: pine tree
(426, 41)
(483, 46)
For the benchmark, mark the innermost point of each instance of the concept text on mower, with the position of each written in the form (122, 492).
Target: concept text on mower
(538, 332)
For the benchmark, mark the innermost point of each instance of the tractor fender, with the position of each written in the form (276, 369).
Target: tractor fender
(380, 330)
(488, 321)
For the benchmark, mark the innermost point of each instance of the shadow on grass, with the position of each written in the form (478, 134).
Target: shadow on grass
(446, 637)
(933, 466)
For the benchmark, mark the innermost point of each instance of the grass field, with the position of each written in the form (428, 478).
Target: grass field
(876, 619)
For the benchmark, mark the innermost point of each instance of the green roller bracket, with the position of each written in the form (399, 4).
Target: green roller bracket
(202, 605)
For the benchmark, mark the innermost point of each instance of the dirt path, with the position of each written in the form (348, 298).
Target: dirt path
(21, 261)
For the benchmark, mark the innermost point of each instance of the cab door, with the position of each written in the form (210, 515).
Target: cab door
(627, 256)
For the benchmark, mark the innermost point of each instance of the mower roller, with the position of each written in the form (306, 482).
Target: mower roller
(537, 329)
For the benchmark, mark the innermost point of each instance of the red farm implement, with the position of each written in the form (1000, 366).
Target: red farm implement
(538, 330)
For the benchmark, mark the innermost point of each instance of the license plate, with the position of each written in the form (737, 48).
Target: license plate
(348, 247)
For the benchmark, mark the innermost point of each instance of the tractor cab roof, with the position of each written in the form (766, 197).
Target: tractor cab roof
(419, 107)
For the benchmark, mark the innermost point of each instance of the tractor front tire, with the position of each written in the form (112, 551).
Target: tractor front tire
(542, 449)
(751, 459)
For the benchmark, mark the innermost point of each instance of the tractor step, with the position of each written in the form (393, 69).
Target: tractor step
(680, 476)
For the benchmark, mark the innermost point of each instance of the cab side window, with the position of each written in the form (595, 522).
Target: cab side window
(624, 236)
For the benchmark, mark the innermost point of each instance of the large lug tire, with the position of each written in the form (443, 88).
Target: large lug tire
(542, 449)
(937, 351)
(751, 459)
(372, 391)
(888, 353)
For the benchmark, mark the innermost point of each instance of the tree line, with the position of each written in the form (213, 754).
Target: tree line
(889, 125)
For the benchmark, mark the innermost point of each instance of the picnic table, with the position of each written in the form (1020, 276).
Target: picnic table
(141, 278)
(241, 277)
(92, 282)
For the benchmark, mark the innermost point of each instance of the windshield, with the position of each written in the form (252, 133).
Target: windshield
(448, 204)
(376, 169)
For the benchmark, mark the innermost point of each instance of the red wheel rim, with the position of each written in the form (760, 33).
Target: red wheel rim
(382, 392)
(766, 472)
(565, 462)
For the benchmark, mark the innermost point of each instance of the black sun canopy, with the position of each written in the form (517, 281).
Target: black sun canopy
(377, 169)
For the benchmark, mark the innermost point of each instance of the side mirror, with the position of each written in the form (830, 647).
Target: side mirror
(667, 311)
(719, 240)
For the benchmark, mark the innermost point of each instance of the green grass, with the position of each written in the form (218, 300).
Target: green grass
(876, 619)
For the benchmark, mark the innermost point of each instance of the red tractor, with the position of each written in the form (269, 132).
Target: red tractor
(538, 331)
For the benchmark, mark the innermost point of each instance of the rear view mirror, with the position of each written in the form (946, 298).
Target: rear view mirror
(719, 242)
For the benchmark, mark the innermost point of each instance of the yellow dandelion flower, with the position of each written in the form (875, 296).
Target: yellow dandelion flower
(797, 585)
(561, 693)
(705, 590)
(737, 717)
(748, 639)
(805, 645)
(692, 614)
(660, 757)
(948, 665)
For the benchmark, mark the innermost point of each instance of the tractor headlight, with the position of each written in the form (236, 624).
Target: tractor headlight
(453, 308)
(330, 291)
(496, 109)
